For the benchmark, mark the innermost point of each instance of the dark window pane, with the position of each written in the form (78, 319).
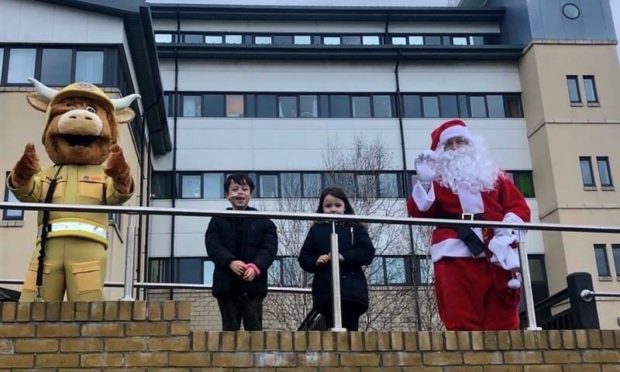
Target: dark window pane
(445, 40)
(413, 109)
(213, 186)
(430, 105)
(361, 107)
(426, 272)
(266, 106)
(615, 249)
(340, 106)
(324, 106)
(312, 185)
(382, 106)
(268, 186)
(496, 106)
(346, 181)
(602, 264)
(192, 106)
(448, 106)
(21, 65)
(250, 105)
(590, 87)
(586, 171)
(308, 107)
(432, 40)
(11, 214)
(287, 107)
(367, 186)
(478, 107)
(197, 38)
(89, 67)
(573, 89)
(290, 272)
(463, 106)
(283, 40)
(234, 106)
(189, 270)
(388, 185)
(214, 105)
(161, 185)
(351, 40)
(512, 103)
(291, 185)
(56, 66)
(604, 171)
(476, 40)
(524, 182)
(1, 61)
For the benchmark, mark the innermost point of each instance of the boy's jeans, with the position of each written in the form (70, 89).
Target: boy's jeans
(235, 307)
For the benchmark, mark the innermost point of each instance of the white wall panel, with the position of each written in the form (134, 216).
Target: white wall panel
(444, 27)
(27, 21)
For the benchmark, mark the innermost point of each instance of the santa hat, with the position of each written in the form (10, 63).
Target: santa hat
(447, 130)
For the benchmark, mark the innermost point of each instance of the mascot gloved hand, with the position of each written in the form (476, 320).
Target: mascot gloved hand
(80, 137)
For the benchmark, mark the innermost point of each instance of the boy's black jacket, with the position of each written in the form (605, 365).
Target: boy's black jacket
(251, 240)
(355, 246)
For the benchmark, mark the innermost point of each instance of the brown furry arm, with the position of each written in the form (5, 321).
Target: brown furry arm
(25, 168)
(118, 169)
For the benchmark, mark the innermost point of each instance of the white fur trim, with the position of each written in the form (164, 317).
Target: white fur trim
(450, 248)
(513, 218)
(422, 198)
(454, 131)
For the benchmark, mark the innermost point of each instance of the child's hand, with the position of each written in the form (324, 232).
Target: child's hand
(237, 267)
(323, 259)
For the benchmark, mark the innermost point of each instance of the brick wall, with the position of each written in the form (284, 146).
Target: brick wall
(154, 335)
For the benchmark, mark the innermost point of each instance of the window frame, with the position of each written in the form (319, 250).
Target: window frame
(587, 160)
(602, 248)
(604, 160)
(574, 101)
(590, 78)
(7, 196)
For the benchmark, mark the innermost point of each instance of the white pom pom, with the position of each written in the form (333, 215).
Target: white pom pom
(514, 283)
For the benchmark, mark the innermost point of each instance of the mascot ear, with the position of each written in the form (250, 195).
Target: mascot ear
(37, 101)
(124, 116)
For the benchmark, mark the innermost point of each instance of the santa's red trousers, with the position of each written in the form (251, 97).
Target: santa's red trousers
(472, 294)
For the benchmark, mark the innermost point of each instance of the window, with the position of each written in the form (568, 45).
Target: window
(478, 107)
(196, 38)
(361, 107)
(291, 185)
(351, 40)
(192, 106)
(590, 89)
(283, 40)
(570, 11)
(430, 105)
(615, 250)
(604, 172)
(268, 186)
(512, 104)
(208, 267)
(1, 62)
(89, 66)
(11, 214)
(448, 106)
(233, 39)
(524, 182)
(312, 185)
(366, 186)
(459, 40)
(376, 274)
(602, 264)
(214, 105)
(412, 106)
(416, 40)
(382, 106)
(234, 105)
(212, 39)
(308, 107)
(189, 270)
(331, 40)
(573, 89)
(191, 186)
(495, 104)
(115, 219)
(161, 185)
(262, 40)
(56, 66)
(287, 107)
(388, 185)
(21, 65)
(274, 273)
(432, 40)
(266, 106)
(163, 38)
(395, 270)
(463, 106)
(370, 40)
(213, 187)
(340, 106)
(302, 40)
(586, 171)
(399, 40)
(425, 273)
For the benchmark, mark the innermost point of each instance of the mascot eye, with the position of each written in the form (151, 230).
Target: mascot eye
(91, 109)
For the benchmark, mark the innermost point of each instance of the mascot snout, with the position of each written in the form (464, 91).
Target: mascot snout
(80, 122)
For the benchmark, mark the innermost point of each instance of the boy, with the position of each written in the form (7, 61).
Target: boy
(242, 250)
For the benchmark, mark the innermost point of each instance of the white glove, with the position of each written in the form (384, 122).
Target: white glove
(503, 254)
(510, 218)
(423, 166)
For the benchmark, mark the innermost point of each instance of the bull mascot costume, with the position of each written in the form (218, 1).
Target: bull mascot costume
(81, 131)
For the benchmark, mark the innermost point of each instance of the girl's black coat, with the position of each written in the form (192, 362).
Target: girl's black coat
(251, 240)
(355, 246)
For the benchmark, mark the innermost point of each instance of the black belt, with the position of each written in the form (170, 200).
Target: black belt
(466, 234)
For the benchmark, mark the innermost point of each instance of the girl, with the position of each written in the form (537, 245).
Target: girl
(356, 250)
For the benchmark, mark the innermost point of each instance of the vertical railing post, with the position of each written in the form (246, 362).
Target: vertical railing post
(584, 312)
(335, 261)
(527, 287)
(129, 259)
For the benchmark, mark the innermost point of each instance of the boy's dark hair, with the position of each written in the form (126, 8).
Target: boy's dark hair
(240, 179)
(337, 193)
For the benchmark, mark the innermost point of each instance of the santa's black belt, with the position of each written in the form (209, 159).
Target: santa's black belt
(466, 234)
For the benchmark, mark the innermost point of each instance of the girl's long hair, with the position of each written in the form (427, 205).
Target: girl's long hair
(337, 193)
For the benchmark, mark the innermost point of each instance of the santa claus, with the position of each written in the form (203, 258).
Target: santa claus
(476, 280)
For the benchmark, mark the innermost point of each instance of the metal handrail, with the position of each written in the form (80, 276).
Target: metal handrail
(333, 218)
(588, 295)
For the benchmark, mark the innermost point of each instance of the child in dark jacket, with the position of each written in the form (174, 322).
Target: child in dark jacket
(242, 250)
(355, 250)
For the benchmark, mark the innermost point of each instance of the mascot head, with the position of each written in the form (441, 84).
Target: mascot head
(81, 121)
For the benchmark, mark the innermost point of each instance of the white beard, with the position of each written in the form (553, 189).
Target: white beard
(469, 166)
